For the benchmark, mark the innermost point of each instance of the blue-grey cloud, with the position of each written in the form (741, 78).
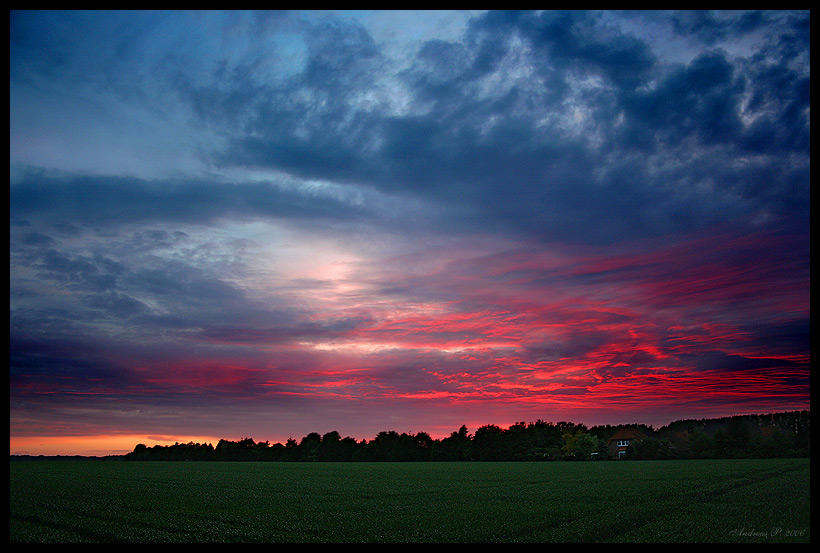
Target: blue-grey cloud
(529, 116)
(112, 200)
(605, 130)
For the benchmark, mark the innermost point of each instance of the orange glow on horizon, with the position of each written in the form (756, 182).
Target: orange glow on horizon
(95, 446)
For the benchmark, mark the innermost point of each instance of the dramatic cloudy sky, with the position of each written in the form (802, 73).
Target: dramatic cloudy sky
(269, 224)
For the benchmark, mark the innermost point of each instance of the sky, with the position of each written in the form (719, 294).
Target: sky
(267, 224)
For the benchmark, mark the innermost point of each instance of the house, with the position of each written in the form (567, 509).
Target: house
(622, 439)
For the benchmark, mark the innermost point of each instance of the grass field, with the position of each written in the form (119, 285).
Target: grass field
(628, 501)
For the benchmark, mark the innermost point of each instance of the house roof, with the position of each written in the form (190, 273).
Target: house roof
(627, 433)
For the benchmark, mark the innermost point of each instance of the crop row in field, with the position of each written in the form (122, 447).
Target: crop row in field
(640, 501)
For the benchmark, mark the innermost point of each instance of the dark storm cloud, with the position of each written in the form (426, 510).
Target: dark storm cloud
(606, 130)
(58, 358)
(106, 200)
(106, 311)
(526, 118)
(782, 337)
(720, 361)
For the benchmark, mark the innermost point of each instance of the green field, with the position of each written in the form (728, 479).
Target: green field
(629, 501)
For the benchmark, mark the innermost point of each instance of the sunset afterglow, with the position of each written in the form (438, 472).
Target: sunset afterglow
(242, 224)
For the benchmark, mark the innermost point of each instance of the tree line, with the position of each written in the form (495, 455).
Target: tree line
(745, 436)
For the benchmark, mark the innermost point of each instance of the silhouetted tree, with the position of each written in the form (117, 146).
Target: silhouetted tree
(456, 447)
(140, 453)
(488, 443)
(738, 436)
(518, 442)
(579, 445)
(773, 435)
(546, 440)
(701, 445)
(330, 447)
(309, 447)
(648, 448)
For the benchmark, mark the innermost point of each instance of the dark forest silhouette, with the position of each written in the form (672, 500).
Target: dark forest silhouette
(743, 436)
